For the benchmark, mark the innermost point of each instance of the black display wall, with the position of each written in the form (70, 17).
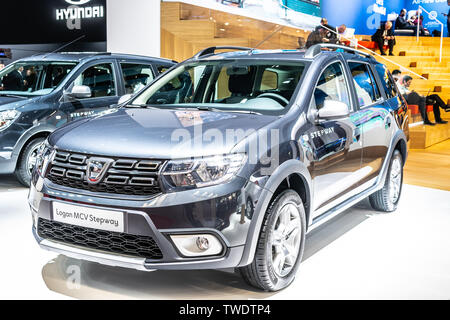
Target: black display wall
(51, 21)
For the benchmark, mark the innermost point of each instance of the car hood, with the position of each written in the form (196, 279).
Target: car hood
(13, 102)
(158, 133)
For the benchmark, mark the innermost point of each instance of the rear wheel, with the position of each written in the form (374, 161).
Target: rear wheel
(280, 246)
(27, 160)
(387, 198)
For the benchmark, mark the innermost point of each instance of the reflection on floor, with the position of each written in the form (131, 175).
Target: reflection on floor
(358, 255)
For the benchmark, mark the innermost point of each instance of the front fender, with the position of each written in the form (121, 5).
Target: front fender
(289, 167)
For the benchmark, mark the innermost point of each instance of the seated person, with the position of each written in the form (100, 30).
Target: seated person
(345, 35)
(384, 36)
(402, 23)
(413, 97)
(321, 35)
(323, 21)
(420, 22)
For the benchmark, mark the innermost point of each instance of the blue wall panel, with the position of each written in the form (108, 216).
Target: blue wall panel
(360, 14)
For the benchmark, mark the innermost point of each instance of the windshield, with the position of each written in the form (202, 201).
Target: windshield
(254, 86)
(33, 78)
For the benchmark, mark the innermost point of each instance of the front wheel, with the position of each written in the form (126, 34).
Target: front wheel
(27, 161)
(280, 246)
(387, 198)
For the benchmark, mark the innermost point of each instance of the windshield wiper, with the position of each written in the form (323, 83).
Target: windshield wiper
(10, 95)
(206, 108)
(139, 106)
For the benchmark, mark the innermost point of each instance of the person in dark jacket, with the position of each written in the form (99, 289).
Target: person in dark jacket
(13, 81)
(402, 23)
(321, 35)
(413, 97)
(384, 36)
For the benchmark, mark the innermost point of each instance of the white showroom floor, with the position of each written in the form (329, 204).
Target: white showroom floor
(358, 255)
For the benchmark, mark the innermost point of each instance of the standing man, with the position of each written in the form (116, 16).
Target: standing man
(385, 37)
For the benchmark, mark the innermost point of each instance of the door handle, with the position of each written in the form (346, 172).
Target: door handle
(387, 122)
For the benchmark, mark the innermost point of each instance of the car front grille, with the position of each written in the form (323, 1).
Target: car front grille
(125, 176)
(114, 242)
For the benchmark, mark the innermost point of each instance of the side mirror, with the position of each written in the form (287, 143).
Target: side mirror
(80, 92)
(333, 109)
(124, 98)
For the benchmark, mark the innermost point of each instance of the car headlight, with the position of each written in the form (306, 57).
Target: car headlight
(7, 117)
(202, 172)
(44, 156)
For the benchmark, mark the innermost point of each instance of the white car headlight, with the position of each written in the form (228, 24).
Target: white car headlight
(7, 117)
(202, 172)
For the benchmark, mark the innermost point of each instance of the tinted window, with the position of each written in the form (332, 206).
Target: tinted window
(136, 76)
(365, 85)
(386, 81)
(331, 86)
(100, 78)
(34, 77)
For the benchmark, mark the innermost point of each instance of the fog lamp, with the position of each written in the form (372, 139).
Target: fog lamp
(197, 245)
(202, 243)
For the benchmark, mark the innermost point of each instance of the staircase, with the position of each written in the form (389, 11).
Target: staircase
(423, 58)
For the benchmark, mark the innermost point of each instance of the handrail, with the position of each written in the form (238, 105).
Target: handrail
(435, 19)
(355, 43)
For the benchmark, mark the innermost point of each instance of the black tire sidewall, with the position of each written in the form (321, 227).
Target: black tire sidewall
(22, 170)
(288, 196)
(393, 205)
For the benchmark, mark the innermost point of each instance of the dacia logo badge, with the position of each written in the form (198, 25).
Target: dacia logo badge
(96, 169)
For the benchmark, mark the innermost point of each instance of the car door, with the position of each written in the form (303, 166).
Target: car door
(375, 119)
(102, 80)
(333, 145)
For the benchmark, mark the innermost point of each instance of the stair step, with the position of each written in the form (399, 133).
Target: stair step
(425, 136)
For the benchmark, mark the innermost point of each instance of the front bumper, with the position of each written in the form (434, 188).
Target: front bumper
(215, 210)
(7, 162)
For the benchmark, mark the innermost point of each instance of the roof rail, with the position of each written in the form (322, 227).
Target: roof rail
(212, 50)
(317, 48)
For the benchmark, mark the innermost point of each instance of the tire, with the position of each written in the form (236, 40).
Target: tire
(23, 172)
(263, 273)
(387, 198)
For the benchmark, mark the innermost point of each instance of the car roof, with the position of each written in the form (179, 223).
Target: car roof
(87, 56)
(280, 54)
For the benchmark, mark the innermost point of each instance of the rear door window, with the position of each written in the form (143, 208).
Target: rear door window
(386, 81)
(365, 85)
(136, 76)
(100, 79)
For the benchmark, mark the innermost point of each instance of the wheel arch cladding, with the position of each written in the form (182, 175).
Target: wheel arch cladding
(292, 173)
